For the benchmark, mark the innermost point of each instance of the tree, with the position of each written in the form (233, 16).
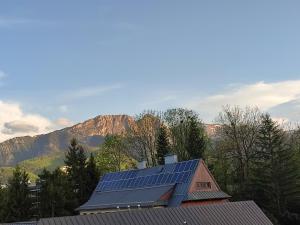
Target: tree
(55, 197)
(112, 155)
(19, 207)
(237, 135)
(196, 140)
(142, 136)
(162, 145)
(276, 174)
(188, 139)
(76, 163)
(3, 204)
(177, 120)
(92, 175)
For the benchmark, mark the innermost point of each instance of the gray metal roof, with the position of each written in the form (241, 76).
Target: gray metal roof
(205, 195)
(142, 196)
(233, 213)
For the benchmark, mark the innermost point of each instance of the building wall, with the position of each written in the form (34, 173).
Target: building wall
(202, 174)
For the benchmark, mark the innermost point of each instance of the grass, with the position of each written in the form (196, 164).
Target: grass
(7, 172)
(34, 166)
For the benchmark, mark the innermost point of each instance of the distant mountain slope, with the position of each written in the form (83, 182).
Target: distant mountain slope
(90, 133)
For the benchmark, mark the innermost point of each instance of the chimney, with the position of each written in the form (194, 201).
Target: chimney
(142, 164)
(170, 158)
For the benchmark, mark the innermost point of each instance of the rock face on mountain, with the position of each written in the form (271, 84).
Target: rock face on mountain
(90, 133)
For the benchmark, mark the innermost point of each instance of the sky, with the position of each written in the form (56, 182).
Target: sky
(63, 62)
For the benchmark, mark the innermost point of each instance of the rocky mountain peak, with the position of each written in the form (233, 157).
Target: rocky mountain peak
(103, 125)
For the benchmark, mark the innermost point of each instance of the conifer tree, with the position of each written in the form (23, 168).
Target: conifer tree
(76, 170)
(276, 173)
(196, 140)
(92, 175)
(55, 197)
(3, 204)
(162, 145)
(19, 207)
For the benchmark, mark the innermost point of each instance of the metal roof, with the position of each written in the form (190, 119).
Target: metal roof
(233, 213)
(142, 196)
(178, 175)
(205, 195)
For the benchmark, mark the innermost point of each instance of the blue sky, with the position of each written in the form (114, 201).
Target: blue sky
(63, 62)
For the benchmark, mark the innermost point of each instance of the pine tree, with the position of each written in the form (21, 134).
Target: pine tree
(19, 207)
(92, 176)
(162, 145)
(196, 141)
(3, 204)
(54, 196)
(276, 173)
(76, 172)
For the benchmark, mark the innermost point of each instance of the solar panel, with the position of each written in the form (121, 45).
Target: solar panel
(177, 167)
(168, 174)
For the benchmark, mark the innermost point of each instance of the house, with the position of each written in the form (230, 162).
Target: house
(174, 184)
(230, 213)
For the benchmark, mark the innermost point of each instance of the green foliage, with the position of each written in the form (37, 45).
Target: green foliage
(55, 197)
(3, 204)
(188, 138)
(18, 202)
(112, 155)
(49, 162)
(76, 163)
(252, 157)
(276, 174)
(236, 139)
(93, 174)
(7, 172)
(61, 193)
(196, 140)
(162, 145)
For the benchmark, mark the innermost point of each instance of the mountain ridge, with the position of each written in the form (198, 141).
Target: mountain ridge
(90, 133)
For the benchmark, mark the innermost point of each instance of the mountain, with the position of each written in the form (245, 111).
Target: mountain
(90, 134)
(50, 147)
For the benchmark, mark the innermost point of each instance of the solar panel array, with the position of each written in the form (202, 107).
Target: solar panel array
(162, 175)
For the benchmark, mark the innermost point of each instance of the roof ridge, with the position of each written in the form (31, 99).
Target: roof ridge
(139, 188)
(130, 170)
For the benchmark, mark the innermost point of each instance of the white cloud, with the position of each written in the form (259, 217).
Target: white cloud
(19, 126)
(63, 122)
(265, 96)
(91, 91)
(15, 122)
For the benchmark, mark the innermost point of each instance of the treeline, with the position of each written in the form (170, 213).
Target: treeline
(254, 157)
(251, 156)
(56, 193)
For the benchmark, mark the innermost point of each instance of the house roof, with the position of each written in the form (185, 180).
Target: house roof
(232, 213)
(160, 178)
(206, 195)
(142, 197)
